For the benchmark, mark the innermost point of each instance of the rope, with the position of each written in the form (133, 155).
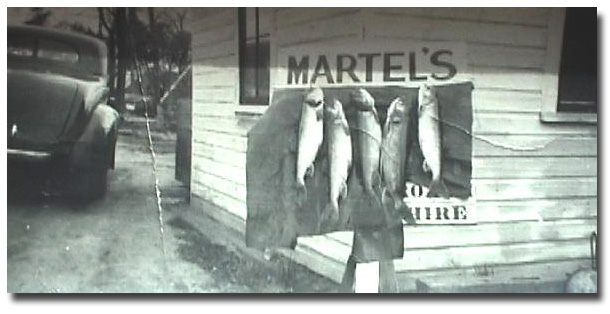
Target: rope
(490, 141)
(151, 147)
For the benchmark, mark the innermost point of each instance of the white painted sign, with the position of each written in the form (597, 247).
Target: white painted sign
(393, 62)
(438, 211)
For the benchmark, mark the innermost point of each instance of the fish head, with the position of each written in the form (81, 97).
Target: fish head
(332, 107)
(426, 97)
(362, 99)
(314, 97)
(396, 110)
(334, 110)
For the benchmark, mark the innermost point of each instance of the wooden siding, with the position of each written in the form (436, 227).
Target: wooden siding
(219, 143)
(535, 183)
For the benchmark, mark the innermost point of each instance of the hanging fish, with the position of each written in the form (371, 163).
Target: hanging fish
(430, 139)
(311, 129)
(339, 154)
(369, 139)
(394, 152)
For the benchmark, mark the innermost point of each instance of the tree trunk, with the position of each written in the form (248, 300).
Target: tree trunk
(123, 55)
(155, 82)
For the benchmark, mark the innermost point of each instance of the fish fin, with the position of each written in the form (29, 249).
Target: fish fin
(406, 214)
(330, 217)
(438, 188)
(426, 167)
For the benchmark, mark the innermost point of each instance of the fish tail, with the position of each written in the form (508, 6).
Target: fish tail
(406, 213)
(438, 188)
(330, 216)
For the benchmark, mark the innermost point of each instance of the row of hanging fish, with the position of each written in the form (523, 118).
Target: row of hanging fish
(383, 152)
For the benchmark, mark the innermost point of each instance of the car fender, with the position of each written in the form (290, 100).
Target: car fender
(95, 147)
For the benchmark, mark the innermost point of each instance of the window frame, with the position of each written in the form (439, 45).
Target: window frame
(550, 84)
(257, 101)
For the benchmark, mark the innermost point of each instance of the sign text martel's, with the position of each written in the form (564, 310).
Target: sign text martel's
(391, 62)
(396, 66)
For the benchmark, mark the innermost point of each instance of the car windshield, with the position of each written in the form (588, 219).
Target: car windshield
(60, 54)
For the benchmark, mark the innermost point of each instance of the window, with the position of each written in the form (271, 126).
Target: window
(254, 27)
(56, 51)
(578, 68)
(570, 88)
(20, 46)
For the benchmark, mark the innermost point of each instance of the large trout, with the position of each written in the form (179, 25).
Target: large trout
(430, 139)
(369, 139)
(311, 130)
(394, 153)
(339, 154)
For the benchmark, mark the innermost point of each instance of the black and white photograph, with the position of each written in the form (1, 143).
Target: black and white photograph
(290, 150)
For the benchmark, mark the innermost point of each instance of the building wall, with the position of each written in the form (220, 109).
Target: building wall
(535, 183)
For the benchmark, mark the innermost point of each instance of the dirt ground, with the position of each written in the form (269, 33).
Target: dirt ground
(117, 244)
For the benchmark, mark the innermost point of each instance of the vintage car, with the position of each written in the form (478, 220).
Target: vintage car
(57, 106)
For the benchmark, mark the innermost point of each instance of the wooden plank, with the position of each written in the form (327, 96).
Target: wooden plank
(220, 214)
(506, 57)
(236, 126)
(316, 262)
(219, 95)
(518, 16)
(220, 154)
(234, 190)
(333, 250)
(295, 16)
(459, 257)
(511, 189)
(533, 167)
(220, 169)
(237, 143)
(226, 62)
(536, 210)
(532, 277)
(218, 50)
(212, 18)
(317, 31)
(505, 79)
(524, 16)
(428, 237)
(390, 26)
(506, 101)
(524, 123)
(212, 78)
(212, 109)
(222, 199)
(534, 145)
(213, 36)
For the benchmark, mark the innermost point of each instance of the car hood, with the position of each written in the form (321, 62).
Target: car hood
(41, 108)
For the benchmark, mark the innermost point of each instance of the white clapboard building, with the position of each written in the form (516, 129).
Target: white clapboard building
(534, 149)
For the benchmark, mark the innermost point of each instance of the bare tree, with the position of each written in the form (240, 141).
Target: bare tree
(121, 33)
(38, 16)
(155, 82)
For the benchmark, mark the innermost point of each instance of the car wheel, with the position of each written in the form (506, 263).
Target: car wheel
(90, 184)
